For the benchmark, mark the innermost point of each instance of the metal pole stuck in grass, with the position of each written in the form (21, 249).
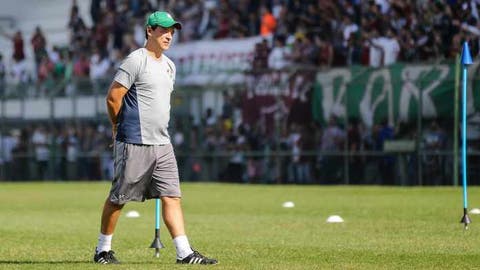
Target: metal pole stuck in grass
(466, 60)
(157, 244)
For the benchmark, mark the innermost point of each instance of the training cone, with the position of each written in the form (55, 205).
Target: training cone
(132, 214)
(288, 205)
(335, 219)
(474, 211)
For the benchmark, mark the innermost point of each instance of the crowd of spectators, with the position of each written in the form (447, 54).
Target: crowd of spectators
(58, 151)
(221, 147)
(318, 34)
(308, 33)
(315, 153)
(374, 33)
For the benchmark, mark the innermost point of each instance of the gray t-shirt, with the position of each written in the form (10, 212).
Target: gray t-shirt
(145, 110)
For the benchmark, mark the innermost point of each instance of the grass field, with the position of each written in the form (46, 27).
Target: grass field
(55, 226)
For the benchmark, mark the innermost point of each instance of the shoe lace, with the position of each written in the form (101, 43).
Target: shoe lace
(110, 256)
(197, 254)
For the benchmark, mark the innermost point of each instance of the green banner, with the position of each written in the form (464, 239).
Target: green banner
(393, 93)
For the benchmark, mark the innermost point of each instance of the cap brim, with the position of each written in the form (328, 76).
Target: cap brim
(177, 25)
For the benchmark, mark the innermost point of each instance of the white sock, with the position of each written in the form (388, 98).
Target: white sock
(182, 246)
(104, 242)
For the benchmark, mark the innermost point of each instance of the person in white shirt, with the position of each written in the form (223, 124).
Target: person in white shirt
(99, 65)
(278, 58)
(41, 143)
(375, 52)
(349, 28)
(384, 50)
(99, 68)
(391, 48)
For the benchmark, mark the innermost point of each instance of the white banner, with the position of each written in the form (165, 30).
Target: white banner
(213, 62)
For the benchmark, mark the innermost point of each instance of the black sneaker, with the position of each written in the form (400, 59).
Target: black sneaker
(196, 258)
(105, 257)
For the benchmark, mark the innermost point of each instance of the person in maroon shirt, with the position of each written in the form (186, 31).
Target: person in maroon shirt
(18, 50)
(39, 44)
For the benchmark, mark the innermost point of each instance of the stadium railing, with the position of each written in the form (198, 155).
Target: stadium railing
(414, 166)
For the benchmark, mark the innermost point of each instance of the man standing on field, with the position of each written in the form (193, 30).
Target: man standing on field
(138, 104)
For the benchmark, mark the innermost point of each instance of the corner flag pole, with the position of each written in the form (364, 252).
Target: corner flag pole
(157, 244)
(466, 60)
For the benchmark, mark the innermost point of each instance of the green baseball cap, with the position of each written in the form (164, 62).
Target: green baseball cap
(163, 19)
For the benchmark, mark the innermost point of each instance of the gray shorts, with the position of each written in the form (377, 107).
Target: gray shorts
(144, 172)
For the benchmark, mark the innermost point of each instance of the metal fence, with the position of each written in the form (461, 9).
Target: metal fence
(277, 146)
(268, 167)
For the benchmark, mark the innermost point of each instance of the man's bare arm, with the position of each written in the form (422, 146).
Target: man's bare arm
(114, 103)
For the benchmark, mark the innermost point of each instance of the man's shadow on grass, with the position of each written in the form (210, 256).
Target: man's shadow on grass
(66, 262)
(41, 262)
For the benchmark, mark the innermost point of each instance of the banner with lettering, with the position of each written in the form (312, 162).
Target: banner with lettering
(392, 93)
(217, 63)
(369, 94)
